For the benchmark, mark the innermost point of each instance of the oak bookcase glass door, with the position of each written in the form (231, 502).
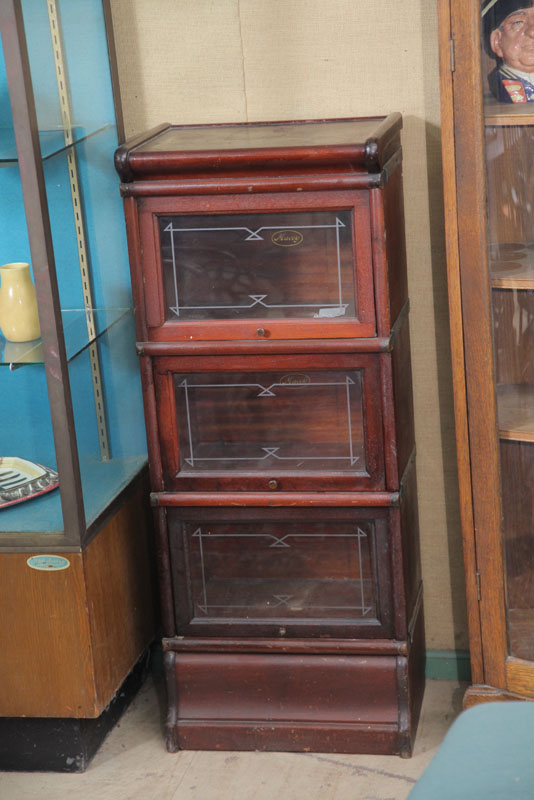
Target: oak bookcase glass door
(509, 149)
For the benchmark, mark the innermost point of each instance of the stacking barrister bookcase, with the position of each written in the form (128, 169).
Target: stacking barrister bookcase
(269, 277)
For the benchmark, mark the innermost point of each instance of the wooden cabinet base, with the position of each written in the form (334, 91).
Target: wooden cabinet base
(73, 635)
(286, 737)
(306, 701)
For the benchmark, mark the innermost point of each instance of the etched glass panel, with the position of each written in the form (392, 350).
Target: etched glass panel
(274, 266)
(297, 422)
(260, 570)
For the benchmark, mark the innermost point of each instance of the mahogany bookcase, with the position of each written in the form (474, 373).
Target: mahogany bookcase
(269, 275)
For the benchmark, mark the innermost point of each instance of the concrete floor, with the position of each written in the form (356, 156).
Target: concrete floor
(133, 764)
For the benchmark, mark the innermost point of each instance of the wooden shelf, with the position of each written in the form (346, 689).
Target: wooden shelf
(502, 114)
(516, 412)
(512, 266)
(520, 622)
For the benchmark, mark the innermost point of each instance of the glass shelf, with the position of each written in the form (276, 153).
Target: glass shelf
(51, 142)
(17, 354)
(102, 482)
(516, 412)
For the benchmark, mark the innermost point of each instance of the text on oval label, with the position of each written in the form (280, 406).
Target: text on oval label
(48, 563)
(287, 238)
(295, 378)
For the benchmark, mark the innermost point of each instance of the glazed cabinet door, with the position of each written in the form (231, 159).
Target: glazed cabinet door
(270, 423)
(494, 152)
(257, 267)
(282, 572)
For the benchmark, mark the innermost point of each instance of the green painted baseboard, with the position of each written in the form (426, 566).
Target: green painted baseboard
(448, 665)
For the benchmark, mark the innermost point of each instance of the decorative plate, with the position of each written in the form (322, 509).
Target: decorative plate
(21, 480)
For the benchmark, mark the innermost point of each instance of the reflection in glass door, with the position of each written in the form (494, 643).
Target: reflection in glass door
(294, 571)
(272, 266)
(510, 183)
(297, 421)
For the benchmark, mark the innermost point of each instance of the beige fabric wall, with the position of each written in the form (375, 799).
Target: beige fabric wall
(194, 61)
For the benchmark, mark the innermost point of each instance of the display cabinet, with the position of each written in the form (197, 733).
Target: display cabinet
(74, 528)
(488, 125)
(269, 276)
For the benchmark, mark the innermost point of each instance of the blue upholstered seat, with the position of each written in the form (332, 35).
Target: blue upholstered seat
(488, 754)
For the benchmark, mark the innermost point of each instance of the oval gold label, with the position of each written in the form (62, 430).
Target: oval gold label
(287, 238)
(295, 378)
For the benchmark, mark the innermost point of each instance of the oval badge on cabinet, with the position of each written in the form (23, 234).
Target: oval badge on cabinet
(48, 563)
(287, 238)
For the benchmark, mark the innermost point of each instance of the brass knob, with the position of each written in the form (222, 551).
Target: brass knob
(273, 484)
(261, 331)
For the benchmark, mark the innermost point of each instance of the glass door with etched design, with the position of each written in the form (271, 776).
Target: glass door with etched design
(298, 570)
(300, 425)
(291, 266)
(275, 266)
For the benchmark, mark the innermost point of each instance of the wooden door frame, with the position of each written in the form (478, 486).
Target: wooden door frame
(472, 337)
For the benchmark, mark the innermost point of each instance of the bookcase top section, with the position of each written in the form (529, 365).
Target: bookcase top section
(341, 145)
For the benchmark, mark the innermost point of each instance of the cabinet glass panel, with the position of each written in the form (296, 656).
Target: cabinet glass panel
(257, 421)
(282, 571)
(70, 74)
(273, 266)
(509, 135)
(26, 438)
(108, 416)
(295, 571)
(28, 500)
(68, 40)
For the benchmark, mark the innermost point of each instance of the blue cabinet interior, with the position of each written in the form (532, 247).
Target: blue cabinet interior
(25, 418)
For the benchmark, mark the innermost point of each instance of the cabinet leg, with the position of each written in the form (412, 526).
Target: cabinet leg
(487, 694)
(171, 733)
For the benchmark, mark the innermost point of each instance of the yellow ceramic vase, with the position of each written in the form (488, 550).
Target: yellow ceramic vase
(19, 320)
